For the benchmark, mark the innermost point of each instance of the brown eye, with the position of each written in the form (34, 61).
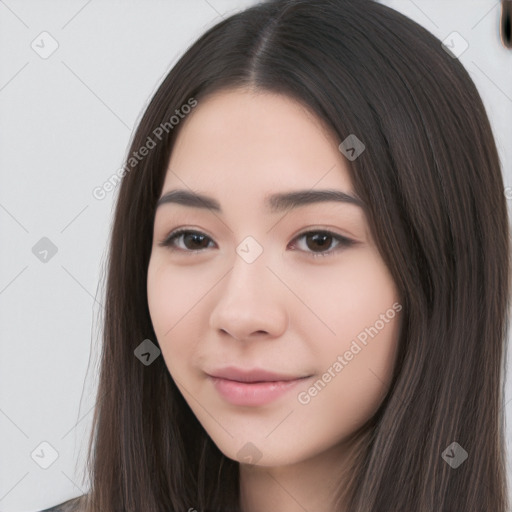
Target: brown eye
(193, 241)
(318, 243)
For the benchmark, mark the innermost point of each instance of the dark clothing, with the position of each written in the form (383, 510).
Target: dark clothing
(66, 506)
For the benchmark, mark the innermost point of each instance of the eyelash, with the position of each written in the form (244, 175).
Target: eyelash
(343, 242)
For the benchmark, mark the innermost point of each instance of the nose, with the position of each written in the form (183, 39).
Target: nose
(250, 302)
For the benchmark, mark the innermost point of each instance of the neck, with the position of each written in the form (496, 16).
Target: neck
(321, 483)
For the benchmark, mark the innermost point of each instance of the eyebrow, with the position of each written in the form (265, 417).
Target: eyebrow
(275, 202)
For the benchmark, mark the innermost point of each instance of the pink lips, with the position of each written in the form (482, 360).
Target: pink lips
(251, 387)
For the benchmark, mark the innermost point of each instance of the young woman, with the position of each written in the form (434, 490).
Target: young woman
(308, 281)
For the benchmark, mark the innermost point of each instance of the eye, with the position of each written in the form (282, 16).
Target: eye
(193, 240)
(316, 242)
(322, 239)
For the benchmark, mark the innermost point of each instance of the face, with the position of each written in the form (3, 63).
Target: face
(294, 287)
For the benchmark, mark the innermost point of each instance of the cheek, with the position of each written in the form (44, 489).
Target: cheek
(174, 292)
(358, 381)
(355, 363)
(343, 301)
(174, 301)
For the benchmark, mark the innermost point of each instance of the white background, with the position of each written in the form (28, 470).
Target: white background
(65, 123)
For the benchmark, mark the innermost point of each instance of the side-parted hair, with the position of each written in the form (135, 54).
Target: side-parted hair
(431, 181)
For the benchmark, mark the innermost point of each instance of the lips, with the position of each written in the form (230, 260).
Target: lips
(252, 375)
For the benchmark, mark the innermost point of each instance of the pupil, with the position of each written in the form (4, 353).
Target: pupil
(322, 244)
(193, 237)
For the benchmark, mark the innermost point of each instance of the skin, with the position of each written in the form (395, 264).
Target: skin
(287, 311)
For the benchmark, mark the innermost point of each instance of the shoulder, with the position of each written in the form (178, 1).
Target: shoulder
(72, 505)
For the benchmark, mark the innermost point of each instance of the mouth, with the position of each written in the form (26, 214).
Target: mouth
(255, 375)
(255, 392)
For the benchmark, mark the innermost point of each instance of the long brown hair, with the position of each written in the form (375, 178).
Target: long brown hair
(431, 179)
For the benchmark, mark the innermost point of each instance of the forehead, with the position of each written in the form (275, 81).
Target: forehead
(244, 140)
